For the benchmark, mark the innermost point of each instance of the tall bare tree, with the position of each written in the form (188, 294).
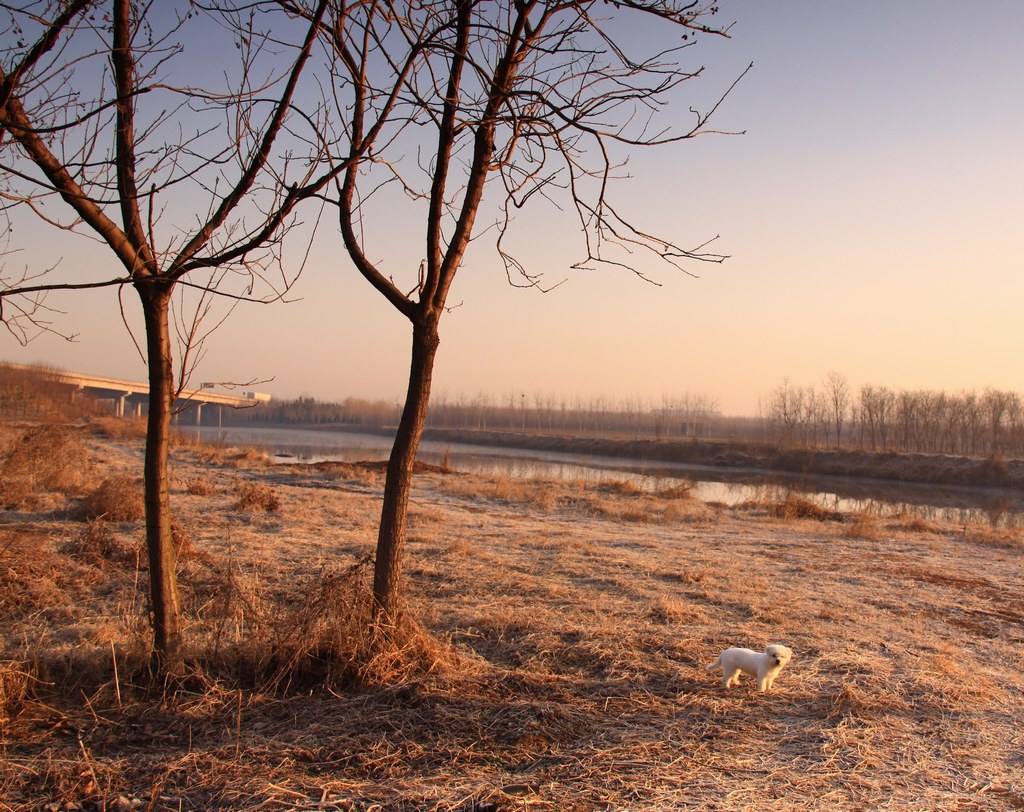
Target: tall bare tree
(186, 182)
(469, 106)
(837, 392)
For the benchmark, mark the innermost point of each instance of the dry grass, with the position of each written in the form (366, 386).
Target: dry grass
(557, 661)
(793, 506)
(200, 486)
(41, 460)
(256, 496)
(117, 499)
(118, 428)
(97, 545)
(863, 526)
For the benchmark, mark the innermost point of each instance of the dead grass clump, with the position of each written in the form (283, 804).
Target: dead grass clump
(1007, 538)
(862, 526)
(199, 486)
(364, 473)
(682, 490)
(118, 428)
(641, 507)
(620, 487)
(117, 499)
(512, 489)
(460, 548)
(915, 524)
(330, 636)
(543, 495)
(218, 454)
(96, 545)
(691, 511)
(674, 611)
(39, 585)
(45, 459)
(15, 686)
(249, 458)
(256, 497)
(793, 507)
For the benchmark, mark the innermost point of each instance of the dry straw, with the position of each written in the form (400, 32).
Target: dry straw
(555, 661)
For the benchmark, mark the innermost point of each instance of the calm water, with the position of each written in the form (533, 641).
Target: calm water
(1000, 508)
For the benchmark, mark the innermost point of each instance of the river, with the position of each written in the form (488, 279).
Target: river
(998, 508)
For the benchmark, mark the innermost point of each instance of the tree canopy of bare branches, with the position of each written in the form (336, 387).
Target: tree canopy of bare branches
(469, 111)
(185, 174)
(479, 109)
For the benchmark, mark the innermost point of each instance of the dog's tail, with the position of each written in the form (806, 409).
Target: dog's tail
(716, 664)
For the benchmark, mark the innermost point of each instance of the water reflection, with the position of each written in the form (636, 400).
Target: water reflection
(725, 486)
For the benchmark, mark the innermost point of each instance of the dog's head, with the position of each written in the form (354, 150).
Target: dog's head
(779, 655)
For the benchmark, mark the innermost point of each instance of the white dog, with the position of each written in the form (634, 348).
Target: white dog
(765, 666)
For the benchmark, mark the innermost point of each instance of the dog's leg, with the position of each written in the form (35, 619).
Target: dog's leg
(730, 677)
(765, 683)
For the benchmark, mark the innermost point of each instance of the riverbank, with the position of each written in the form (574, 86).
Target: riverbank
(566, 627)
(925, 469)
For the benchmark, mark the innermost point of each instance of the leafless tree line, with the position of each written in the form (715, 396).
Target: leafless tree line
(879, 419)
(687, 415)
(684, 416)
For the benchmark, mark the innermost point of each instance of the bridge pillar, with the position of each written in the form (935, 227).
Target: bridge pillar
(119, 405)
(199, 414)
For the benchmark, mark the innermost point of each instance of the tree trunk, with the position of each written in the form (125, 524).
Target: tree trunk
(387, 573)
(163, 579)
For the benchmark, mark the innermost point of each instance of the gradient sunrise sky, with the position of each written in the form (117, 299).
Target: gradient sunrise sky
(873, 213)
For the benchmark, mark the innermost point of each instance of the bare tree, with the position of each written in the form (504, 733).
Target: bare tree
(99, 109)
(837, 393)
(785, 410)
(526, 100)
(999, 405)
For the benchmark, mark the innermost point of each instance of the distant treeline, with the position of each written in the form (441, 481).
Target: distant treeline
(830, 416)
(687, 416)
(876, 418)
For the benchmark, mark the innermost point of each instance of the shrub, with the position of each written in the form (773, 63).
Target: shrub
(118, 428)
(863, 526)
(200, 486)
(117, 499)
(96, 545)
(255, 496)
(794, 506)
(44, 459)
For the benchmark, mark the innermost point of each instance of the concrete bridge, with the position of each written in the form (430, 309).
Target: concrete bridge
(129, 397)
